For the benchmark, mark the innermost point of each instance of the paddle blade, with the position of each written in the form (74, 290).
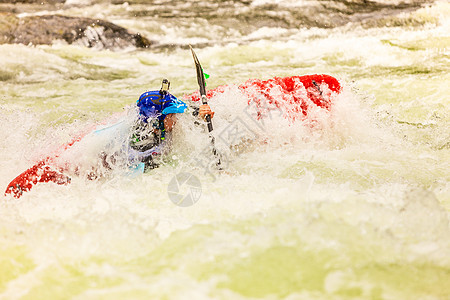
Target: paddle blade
(200, 75)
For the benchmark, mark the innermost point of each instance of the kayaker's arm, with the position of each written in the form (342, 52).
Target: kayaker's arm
(169, 122)
(201, 112)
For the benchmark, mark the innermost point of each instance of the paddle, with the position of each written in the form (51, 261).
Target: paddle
(202, 86)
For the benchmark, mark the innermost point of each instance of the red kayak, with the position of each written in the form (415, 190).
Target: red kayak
(295, 94)
(42, 171)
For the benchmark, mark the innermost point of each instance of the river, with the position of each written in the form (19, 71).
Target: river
(349, 204)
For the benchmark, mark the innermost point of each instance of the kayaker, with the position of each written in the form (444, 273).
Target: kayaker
(158, 112)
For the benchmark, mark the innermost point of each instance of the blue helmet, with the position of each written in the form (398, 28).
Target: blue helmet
(159, 104)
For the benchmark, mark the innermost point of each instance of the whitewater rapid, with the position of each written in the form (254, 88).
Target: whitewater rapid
(351, 203)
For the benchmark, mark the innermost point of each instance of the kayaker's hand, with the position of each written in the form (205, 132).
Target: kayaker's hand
(205, 110)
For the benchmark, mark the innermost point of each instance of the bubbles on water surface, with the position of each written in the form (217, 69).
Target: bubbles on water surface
(342, 203)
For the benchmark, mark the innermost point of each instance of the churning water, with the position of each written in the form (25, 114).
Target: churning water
(347, 204)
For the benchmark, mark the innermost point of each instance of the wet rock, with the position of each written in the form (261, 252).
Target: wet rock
(45, 30)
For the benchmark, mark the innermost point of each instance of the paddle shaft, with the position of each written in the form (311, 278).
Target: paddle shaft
(202, 87)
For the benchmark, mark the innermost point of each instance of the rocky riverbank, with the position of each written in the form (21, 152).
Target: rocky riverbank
(48, 29)
(50, 21)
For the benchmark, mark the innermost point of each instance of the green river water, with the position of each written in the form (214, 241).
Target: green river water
(352, 205)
